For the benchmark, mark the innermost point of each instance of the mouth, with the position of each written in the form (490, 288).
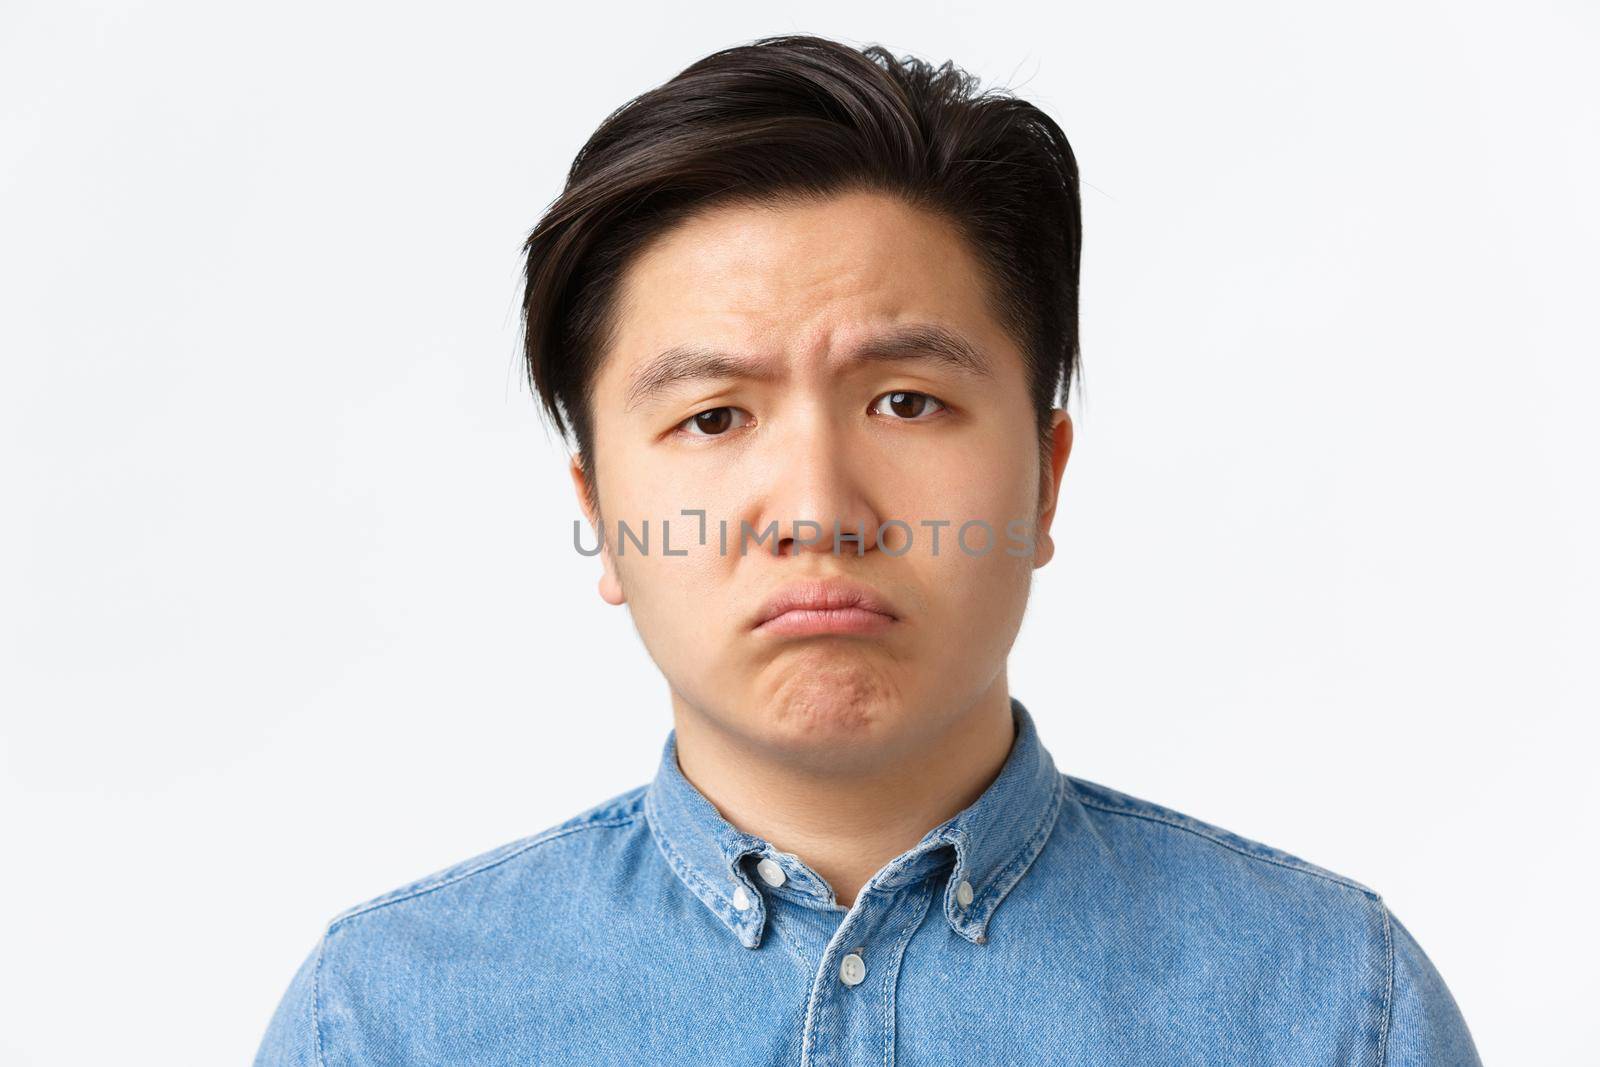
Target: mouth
(825, 606)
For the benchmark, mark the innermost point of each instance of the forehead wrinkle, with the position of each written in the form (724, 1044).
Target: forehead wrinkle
(906, 343)
(923, 341)
(689, 362)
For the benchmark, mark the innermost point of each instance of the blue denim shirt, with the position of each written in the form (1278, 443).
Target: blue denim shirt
(1053, 921)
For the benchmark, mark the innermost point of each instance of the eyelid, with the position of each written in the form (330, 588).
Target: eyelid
(943, 406)
(680, 429)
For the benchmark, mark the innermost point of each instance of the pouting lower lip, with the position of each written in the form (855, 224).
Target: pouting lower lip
(824, 594)
(803, 621)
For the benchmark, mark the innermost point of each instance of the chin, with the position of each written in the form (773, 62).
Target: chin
(833, 703)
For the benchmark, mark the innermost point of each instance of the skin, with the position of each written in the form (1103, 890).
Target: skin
(843, 749)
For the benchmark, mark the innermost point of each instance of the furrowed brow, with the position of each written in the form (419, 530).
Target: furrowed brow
(686, 363)
(920, 341)
(925, 341)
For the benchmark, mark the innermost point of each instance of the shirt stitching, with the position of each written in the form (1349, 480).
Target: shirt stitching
(316, 1001)
(685, 870)
(1388, 991)
(1030, 848)
(898, 956)
(1303, 868)
(428, 887)
(540, 839)
(677, 861)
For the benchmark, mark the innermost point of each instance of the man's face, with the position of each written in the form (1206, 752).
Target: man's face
(789, 425)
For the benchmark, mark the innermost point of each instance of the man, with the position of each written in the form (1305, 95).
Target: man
(807, 311)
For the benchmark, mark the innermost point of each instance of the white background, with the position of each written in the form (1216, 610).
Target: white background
(290, 610)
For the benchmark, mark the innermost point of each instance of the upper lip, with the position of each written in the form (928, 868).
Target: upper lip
(822, 594)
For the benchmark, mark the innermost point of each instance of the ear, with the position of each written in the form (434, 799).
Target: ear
(610, 581)
(1050, 484)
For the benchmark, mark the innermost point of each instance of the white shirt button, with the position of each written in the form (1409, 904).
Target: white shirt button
(741, 899)
(964, 893)
(771, 873)
(852, 970)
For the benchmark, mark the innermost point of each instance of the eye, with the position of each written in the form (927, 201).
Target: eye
(908, 406)
(713, 422)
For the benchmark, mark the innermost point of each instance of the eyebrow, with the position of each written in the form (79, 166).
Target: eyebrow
(918, 341)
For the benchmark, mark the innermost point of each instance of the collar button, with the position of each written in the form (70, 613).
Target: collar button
(771, 873)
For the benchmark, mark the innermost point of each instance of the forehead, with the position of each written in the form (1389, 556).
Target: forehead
(798, 280)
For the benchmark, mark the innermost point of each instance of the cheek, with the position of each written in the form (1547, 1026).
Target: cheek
(678, 606)
(986, 490)
(680, 601)
(986, 571)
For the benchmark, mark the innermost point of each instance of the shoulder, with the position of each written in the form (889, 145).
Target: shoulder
(1201, 847)
(483, 881)
(1233, 911)
(465, 927)
(1250, 913)
(1181, 880)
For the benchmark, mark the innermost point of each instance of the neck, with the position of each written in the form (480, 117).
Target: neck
(846, 820)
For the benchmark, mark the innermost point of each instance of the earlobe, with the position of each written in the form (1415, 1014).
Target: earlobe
(610, 584)
(610, 588)
(1044, 549)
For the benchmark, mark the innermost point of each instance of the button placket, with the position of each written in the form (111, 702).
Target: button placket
(849, 1014)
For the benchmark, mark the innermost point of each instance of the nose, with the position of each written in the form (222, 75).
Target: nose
(819, 492)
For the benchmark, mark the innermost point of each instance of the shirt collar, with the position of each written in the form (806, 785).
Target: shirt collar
(994, 842)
